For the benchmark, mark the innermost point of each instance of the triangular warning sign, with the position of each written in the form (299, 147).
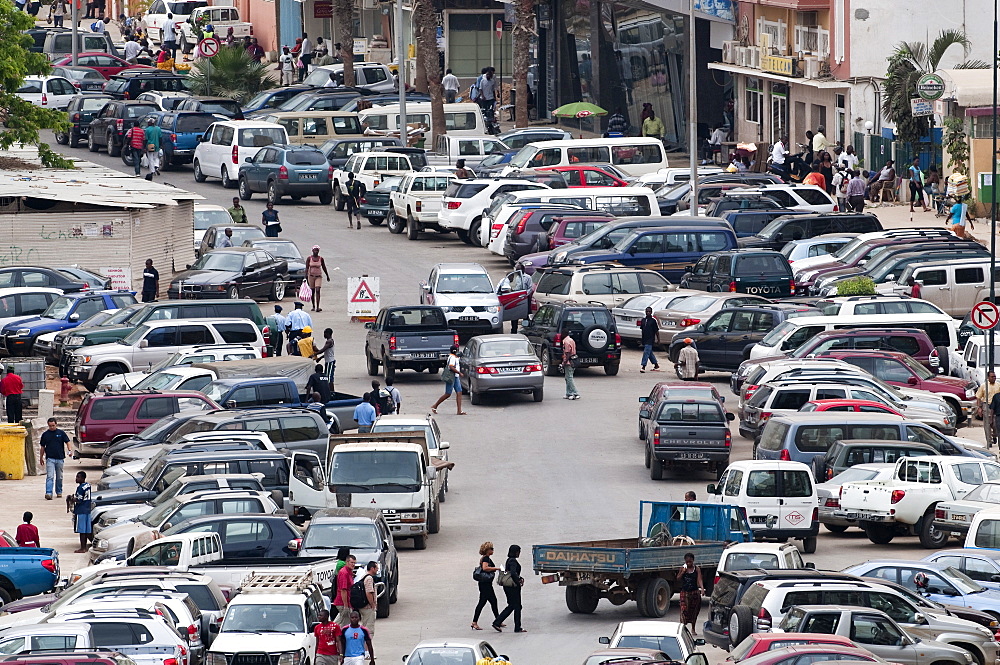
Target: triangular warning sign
(363, 293)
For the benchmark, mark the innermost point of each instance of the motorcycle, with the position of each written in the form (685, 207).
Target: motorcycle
(795, 167)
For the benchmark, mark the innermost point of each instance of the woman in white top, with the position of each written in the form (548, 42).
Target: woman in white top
(452, 381)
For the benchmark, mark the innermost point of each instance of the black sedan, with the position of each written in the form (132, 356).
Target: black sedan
(281, 248)
(376, 205)
(92, 279)
(39, 276)
(238, 272)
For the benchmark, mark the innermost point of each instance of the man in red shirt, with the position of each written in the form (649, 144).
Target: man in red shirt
(327, 640)
(27, 533)
(11, 388)
(342, 595)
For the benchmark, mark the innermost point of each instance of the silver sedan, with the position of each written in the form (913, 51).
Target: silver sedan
(630, 313)
(700, 308)
(500, 363)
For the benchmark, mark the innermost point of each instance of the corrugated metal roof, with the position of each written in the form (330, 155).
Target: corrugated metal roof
(89, 183)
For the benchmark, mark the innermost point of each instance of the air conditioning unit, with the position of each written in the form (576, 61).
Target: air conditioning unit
(729, 51)
(754, 57)
(741, 56)
(811, 67)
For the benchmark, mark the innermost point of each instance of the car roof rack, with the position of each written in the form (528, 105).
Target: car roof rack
(277, 582)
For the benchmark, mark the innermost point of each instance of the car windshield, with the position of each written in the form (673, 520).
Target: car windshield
(442, 656)
(222, 261)
(305, 157)
(133, 337)
(853, 475)
(139, 110)
(776, 335)
(325, 536)
(269, 618)
(186, 7)
(99, 319)
(751, 560)
(159, 381)
(772, 228)
(667, 645)
(520, 160)
(393, 427)
(194, 123)
(505, 349)
(694, 304)
(965, 584)
(123, 315)
(390, 471)
(205, 218)
(283, 250)
(155, 517)
(258, 137)
(464, 283)
(625, 242)
(59, 309)
(917, 368)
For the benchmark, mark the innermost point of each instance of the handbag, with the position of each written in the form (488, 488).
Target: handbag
(575, 362)
(305, 292)
(506, 579)
(481, 575)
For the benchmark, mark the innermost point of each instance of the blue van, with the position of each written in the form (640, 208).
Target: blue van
(669, 249)
(180, 135)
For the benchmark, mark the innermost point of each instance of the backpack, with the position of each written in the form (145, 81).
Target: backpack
(385, 402)
(358, 596)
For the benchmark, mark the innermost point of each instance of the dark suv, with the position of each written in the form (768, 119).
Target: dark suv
(282, 170)
(762, 273)
(130, 83)
(725, 340)
(591, 327)
(739, 200)
(750, 222)
(109, 126)
(785, 229)
(529, 233)
(218, 105)
(81, 110)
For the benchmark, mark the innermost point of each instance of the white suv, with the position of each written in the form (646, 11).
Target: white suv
(202, 353)
(881, 304)
(467, 295)
(372, 76)
(465, 200)
(797, 197)
(133, 628)
(226, 144)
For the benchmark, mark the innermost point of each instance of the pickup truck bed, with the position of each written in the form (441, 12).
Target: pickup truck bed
(26, 571)
(618, 555)
(416, 338)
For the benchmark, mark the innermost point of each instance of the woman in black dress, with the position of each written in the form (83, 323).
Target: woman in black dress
(513, 592)
(486, 592)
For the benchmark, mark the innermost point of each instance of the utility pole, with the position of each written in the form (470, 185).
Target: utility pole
(76, 31)
(692, 112)
(401, 71)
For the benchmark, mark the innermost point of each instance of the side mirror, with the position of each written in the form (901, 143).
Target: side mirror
(189, 266)
(404, 658)
(432, 472)
(444, 445)
(143, 343)
(295, 544)
(632, 250)
(426, 287)
(213, 627)
(166, 525)
(74, 317)
(231, 404)
(697, 658)
(370, 325)
(699, 642)
(730, 417)
(248, 160)
(712, 489)
(201, 138)
(779, 237)
(912, 381)
(604, 640)
(811, 566)
(688, 268)
(919, 618)
(994, 578)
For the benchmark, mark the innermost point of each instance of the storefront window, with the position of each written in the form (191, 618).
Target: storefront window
(779, 110)
(755, 99)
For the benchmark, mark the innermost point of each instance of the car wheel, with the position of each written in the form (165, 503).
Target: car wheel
(375, 221)
(74, 142)
(538, 394)
(655, 469)
(474, 230)
(91, 143)
(648, 457)
(127, 158)
(394, 223)
(394, 593)
(657, 592)
(475, 397)
(326, 198)
(245, 192)
(931, 537)
(809, 545)
(550, 367)
(463, 236)
(582, 599)
(234, 293)
(836, 528)
(388, 371)
(611, 369)
(62, 138)
(372, 363)
(596, 338)
(339, 201)
(227, 182)
(5, 596)
(740, 624)
(880, 534)
(113, 150)
(382, 606)
(278, 288)
(434, 521)
(273, 196)
(412, 228)
(420, 542)
(198, 175)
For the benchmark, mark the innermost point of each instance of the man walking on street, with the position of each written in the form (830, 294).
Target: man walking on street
(11, 387)
(568, 358)
(650, 336)
(355, 192)
(327, 640)
(342, 586)
(150, 282)
(153, 137)
(354, 640)
(687, 361)
(82, 506)
(137, 146)
(984, 398)
(368, 612)
(450, 85)
(238, 212)
(53, 448)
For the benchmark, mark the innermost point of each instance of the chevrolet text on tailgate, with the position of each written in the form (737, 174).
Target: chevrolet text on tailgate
(642, 568)
(905, 503)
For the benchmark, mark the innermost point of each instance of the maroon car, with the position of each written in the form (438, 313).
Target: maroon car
(569, 228)
(104, 418)
(899, 369)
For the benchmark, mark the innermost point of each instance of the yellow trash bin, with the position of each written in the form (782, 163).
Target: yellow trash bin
(11, 452)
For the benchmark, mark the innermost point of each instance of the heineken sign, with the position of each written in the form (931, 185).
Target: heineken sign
(930, 87)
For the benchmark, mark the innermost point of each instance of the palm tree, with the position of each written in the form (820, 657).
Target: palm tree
(343, 11)
(908, 62)
(524, 12)
(231, 73)
(425, 33)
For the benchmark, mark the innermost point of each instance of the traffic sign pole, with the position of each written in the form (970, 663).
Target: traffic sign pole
(209, 48)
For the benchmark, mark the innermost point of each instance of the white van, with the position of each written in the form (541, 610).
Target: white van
(473, 149)
(778, 498)
(984, 531)
(464, 119)
(954, 285)
(634, 156)
(789, 335)
(619, 201)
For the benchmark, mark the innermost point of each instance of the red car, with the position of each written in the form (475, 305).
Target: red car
(571, 228)
(105, 63)
(587, 176)
(855, 405)
(809, 653)
(758, 643)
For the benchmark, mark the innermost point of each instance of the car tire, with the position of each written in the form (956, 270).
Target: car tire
(127, 158)
(582, 599)
(382, 606)
(549, 366)
(339, 202)
(5, 596)
(809, 544)
(658, 593)
(74, 142)
(420, 542)
(375, 221)
(62, 138)
(245, 192)
(434, 520)
(394, 223)
(388, 370)
(463, 235)
(720, 469)
(880, 534)
(474, 230)
(836, 528)
(113, 150)
(394, 589)
(538, 394)
(611, 369)
(91, 143)
(930, 537)
(372, 363)
(326, 198)
(442, 494)
(655, 469)
(198, 175)
(227, 182)
(278, 288)
(476, 398)
(944, 360)
(740, 624)
(412, 228)
(592, 336)
(234, 293)
(104, 372)
(273, 197)
(648, 457)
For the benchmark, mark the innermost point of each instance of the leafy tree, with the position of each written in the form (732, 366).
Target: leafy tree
(232, 73)
(908, 62)
(22, 120)
(857, 286)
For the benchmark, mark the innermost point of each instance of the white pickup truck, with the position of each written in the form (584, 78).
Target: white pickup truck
(369, 168)
(220, 18)
(904, 504)
(416, 202)
(202, 553)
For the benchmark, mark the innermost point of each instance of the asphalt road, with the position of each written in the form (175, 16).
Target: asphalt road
(525, 473)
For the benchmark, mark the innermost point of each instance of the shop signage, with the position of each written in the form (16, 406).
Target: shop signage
(778, 65)
(930, 87)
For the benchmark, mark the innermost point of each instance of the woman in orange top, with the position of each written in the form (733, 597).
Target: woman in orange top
(815, 178)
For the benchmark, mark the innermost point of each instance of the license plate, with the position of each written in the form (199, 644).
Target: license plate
(590, 361)
(468, 318)
(692, 456)
(958, 518)
(307, 176)
(669, 324)
(510, 370)
(423, 355)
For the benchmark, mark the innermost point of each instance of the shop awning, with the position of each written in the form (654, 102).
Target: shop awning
(968, 87)
(759, 73)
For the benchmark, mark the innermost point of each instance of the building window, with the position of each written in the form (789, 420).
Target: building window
(840, 119)
(755, 99)
(779, 110)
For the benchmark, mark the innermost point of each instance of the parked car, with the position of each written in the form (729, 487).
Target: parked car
(66, 311)
(590, 176)
(829, 493)
(181, 130)
(81, 109)
(748, 222)
(758, 643)
(226, 145)
(593, 329)
(701, 307)
(236, 271)
(610, 285)
(845, 453)
(109, 126)
(570, 228)
(768, 556)
(743, 271)
(940, 582)
(295, 171)
(271, 99)
(377, 204)
(241, 233)
(107, 64)
(84, 79)
(501, 363)
(823, 245)
(629, 315)
(799, 227)
(165, 100)
(219, 106)
(982, 565)
(49, 92)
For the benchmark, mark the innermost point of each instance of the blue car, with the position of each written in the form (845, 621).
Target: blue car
(940, 582)
(67, 311)
(269, 100)
(982, 565)
(180, 135)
